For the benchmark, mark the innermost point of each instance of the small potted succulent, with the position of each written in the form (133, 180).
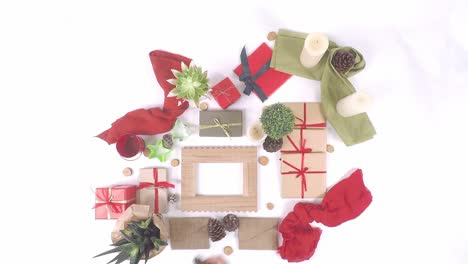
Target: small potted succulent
(138, 236)
(190, 84)
(277, 121)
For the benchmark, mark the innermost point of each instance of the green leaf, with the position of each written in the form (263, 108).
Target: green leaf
(121, 257)
(120, 242)
(117, 249)
(136, 258)
(129, 238)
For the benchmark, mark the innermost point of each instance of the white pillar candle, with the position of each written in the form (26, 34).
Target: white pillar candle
(315, 45)
(354, 104)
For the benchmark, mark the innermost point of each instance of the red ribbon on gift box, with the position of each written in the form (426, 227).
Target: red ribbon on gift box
(112, 206)
(156, 185)
(303, 170)
(304, 125)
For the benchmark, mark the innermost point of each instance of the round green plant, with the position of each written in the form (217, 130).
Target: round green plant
(277, 120)
(190, 84)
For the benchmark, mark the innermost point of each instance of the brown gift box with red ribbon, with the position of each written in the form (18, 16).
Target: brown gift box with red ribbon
(152, 189)
(303, 176)
(112, 201)
(303, 154)
(308, 115)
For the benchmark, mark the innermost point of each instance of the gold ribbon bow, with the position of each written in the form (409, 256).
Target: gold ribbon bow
(224, 127)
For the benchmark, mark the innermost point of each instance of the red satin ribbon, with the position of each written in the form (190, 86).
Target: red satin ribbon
(304, 124)
(156, 184)
(303, 170)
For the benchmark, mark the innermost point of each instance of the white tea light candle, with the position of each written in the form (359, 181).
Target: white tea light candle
(354, 104)
(315, 45)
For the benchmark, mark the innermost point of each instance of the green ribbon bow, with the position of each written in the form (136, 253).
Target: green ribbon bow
(334, 85)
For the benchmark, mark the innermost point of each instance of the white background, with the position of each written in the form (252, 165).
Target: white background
(69, 69)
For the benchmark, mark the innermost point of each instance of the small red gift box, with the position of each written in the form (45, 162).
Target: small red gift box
(260, 78)
(225, 93)
(112, 201)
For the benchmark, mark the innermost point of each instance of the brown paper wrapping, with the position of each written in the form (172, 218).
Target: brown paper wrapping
(313, 113)
(138, 212)
(258, 233)
(146, 195)
(316, 139)
(189, 233)
(291, 186)
(225, 117)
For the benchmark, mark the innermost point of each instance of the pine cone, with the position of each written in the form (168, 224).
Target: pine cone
(172, 198)
(231, 222)
(343, 61)
(167, 141)
(272, 145)
(216, 230)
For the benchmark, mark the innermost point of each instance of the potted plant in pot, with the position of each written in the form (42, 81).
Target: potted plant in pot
(277, 121)
(138, 235)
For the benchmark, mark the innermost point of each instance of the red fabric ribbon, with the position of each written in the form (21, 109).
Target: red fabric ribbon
(303, 124)
(154, 120)
(343, 202)
(156, 184)
(303, 170)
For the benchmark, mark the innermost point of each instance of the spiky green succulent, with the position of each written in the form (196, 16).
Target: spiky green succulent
(277, 120)
(140, 238)
(190, 84)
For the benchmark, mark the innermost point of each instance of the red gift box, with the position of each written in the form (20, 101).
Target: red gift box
(266, 83)
(225, 93)
(112, 201)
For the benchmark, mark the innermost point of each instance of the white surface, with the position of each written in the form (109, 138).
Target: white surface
(220, 179)
(69, 69)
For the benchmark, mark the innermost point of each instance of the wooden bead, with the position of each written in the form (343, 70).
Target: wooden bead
(263, 160)
(127, 171)
(204, 106)
(146, 152)
(270, 206)
(271, 36)
(330, 148)
(228, 250)
(175, 162)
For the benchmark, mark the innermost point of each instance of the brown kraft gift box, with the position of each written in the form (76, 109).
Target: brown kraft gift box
(297, 182)
(155, 190)
(312, 117)
(315, 140)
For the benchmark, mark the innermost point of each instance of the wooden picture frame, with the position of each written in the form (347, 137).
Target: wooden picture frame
(191, 201)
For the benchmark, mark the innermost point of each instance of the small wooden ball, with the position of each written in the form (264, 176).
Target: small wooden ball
(146, 152)
(271, 36)
(127, 171)
(270, 206)
(175, 162)
(330, 148)
(203, 106)
(228, 250)
(263, 160)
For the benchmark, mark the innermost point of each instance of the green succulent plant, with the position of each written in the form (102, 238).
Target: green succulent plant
(277, 120)
(140, 238)
(190, 84)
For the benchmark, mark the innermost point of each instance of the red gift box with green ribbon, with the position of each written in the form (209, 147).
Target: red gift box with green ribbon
(257, 75)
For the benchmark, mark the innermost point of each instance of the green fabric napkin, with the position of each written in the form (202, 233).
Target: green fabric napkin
(334, 85)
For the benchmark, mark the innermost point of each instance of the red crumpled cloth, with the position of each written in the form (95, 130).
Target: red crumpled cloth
(343, 202)
(154, 120)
